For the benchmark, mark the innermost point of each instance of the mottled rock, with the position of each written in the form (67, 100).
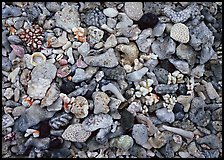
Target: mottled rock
(41, 78)
(124, 142)
(117, 73)
(13, 39)
(94, 35)
(39, 143)
(133, 10)
(67, 18)
(164, 49)
(167, 151)
(94, 122)
(211, 140)
(101, 101)
(80, 107)
(53, 6)
(7, 121)
(161, 75)
(94, 17)
(130, 53)
(107, 59)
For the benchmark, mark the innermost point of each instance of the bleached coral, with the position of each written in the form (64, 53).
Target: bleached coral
(170, 101)
(180, 33)
(175, 77)
(76, 133)
(143, 88)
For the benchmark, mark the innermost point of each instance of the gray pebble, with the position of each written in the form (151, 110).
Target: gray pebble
(165, 116)
(6, 64)
(161, 75)
(140, 133)
(211, 140)
(5, 42)
(11, 12)
(164, 88)
(167, 151)
(13, 39)
(53, 6)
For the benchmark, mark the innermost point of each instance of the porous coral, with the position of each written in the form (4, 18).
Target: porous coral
(180, 33)
(32, 37)
(76, 133)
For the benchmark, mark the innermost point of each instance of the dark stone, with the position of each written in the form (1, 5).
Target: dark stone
(127, 119)
(60, 153)
(211, 153)
(211, 140)
(178, 111)
(56, 142)
(166, 88)
(148, 20)
(182, 89)
(167, 65)
(201, 117)
(137, 151)
(44, 129)
(217, 71)
(117, 73)
(67, 87)
(167, 151)
(161, 75)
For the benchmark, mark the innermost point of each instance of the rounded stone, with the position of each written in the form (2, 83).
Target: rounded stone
(110, 12)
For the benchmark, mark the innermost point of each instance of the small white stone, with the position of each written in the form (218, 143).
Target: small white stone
(8, 93)
(110, 12)
(70, 56)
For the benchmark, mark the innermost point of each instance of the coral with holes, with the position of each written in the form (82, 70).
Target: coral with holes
(76, 133)
(32, 37)
(180, 32)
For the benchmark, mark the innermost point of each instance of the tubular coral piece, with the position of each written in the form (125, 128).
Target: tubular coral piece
(111, 87)
(187, 134)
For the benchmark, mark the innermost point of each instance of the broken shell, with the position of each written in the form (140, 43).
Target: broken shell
(27, 101)
(80, 34)
(37, 58)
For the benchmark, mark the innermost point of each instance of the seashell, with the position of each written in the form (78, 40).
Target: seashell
(18, 50)
(80, 34)
(63, 71)
(37, 58)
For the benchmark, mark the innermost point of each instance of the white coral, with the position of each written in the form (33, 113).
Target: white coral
(170, 101)
(180, 33)
(143, 88)
(76, 133)
(175, 77)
